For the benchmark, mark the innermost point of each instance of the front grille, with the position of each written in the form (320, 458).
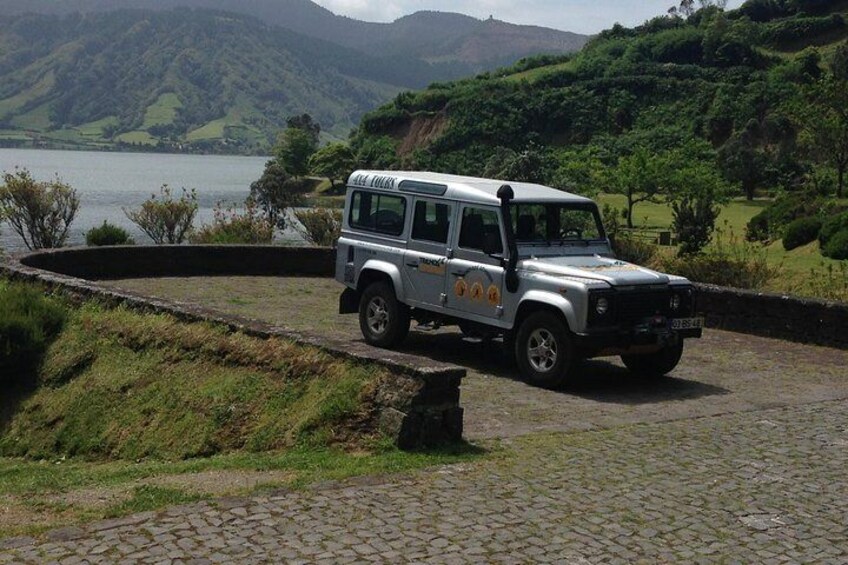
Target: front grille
(632, 306)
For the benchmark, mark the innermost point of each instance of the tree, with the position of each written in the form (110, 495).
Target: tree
(41, 213)
(740, 160)
(297, 144)
(635, 176)
(335, 161)
(823, 115)
(166, 220)
(276, 191)
(533, 164)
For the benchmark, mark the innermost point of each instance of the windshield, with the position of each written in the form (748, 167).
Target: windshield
(555, 224)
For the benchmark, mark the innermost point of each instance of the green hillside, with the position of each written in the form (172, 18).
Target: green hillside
(723, 81)
(188, 80)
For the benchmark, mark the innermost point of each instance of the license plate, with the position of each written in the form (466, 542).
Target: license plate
(687, 323)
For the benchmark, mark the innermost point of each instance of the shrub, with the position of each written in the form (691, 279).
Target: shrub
(801, 232)
(694, 222)
(41, 213)
(633, 250)
(107, 234)
(230, 226)
(732, 263)
(28, 321)
(320, 226)
(770, 223)
(832, 226)
(166, 220)
(837, 246)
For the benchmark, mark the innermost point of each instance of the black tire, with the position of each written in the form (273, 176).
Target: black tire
(554, 362)
(383, 320)
(654, 365)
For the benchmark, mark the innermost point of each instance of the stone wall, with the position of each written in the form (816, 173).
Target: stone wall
(143, 261)
(417, 404)
(772, 315)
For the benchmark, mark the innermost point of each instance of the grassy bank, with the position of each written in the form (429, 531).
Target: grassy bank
(129, 412)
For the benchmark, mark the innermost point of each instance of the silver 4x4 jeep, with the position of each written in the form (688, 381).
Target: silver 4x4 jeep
(523, 260)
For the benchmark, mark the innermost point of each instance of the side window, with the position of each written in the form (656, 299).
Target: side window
(480, 226)
(382, 213)
(431, 221)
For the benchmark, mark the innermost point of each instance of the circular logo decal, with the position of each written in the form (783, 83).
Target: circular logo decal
(477, 292)
(460, 288)
(494, 295)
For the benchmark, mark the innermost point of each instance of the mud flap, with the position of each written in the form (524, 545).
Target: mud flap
(349, 302)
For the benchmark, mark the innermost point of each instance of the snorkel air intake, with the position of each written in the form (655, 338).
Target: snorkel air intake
(505, 195)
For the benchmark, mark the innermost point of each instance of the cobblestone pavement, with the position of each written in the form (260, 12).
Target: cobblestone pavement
(765, 486)
(739, 458)
(721, 373)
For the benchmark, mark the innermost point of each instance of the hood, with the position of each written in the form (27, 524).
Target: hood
(610, 271)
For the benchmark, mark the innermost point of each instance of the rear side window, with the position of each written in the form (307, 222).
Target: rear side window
(381, 213)
(431, 222)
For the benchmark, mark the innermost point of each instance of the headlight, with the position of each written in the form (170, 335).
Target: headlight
(602, 306)
(675, 301)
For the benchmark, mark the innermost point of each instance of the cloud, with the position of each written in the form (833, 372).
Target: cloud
(582, 16)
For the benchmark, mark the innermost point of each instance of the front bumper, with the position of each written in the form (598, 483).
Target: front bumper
(650, 334)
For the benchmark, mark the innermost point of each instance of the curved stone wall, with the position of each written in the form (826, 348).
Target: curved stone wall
(770, 315)
(150, 261)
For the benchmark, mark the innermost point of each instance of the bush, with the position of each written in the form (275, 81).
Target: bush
(107, 234)
(320, 226)
(229, 226)
(39, 212)
(694, 222)
(633, 250)
(734, 264)
(28, 321)
(832, 226)
(770, 223)
(837, 246)
(801, 232)
(166, 220)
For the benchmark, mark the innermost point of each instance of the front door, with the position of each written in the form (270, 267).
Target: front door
(475, 279)
(425, 262)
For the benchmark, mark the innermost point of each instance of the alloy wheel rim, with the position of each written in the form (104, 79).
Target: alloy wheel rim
(377, 315)
(542, 350)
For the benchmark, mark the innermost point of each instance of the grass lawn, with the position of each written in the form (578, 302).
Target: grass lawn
(795, 267)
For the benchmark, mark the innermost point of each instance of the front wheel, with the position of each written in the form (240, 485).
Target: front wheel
(383, 320)
(544, 350)
(653, 365)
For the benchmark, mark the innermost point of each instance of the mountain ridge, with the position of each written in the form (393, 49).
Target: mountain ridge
(308, 18)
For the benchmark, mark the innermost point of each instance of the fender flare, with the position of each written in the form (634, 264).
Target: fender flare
(555, 301)
(387, 269)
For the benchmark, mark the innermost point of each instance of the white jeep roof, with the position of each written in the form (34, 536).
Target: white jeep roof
(465, 189)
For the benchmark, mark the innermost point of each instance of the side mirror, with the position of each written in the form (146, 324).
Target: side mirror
(492, 244)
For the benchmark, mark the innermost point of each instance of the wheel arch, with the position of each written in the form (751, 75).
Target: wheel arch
(374, 271)
(535, 301)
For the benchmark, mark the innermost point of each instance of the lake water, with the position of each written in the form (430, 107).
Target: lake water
(109, 182)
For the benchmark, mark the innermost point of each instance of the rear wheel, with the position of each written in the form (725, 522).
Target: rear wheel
(544, 350)
(383, 320)
(653, 365)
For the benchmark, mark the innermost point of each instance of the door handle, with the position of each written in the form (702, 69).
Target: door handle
(413, 265)
(458, 273)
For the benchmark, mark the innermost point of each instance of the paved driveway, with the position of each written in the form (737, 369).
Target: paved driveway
(739, 457)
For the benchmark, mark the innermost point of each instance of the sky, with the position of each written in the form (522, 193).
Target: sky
(581, 16)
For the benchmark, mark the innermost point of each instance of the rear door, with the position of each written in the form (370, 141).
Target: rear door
(425, 262)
